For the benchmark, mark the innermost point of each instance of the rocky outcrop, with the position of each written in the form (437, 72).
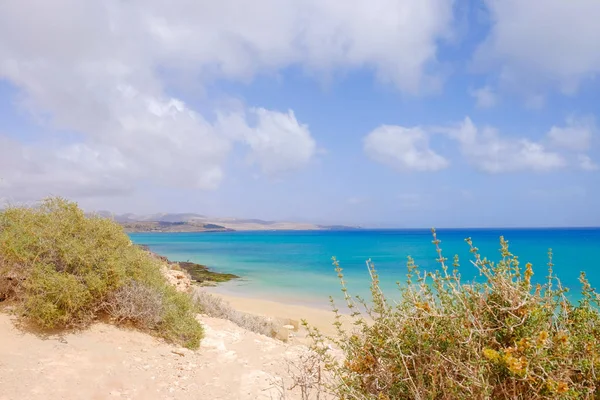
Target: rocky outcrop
(195, 272)
(179, 279)
(201, 274)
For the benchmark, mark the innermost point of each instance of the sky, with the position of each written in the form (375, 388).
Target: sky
(379, 113)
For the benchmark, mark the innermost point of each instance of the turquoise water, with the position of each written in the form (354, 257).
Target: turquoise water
(295, 267)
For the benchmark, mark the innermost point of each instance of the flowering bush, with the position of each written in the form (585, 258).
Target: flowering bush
(501, 338)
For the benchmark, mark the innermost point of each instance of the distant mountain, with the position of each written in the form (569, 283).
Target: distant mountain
(162, 226)
(163, 217)
(190, 222)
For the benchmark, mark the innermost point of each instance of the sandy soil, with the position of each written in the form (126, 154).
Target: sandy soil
(316, 317)
(105, 362)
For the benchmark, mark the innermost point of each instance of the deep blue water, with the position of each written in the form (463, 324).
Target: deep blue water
(295, 266)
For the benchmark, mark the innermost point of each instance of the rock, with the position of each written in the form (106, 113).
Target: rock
(179, 279)
(294, 323)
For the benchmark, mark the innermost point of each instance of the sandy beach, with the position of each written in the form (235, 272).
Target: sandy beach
(320, 318)
(108, 362)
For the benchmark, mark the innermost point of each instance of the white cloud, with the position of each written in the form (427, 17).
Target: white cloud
(576, 135)
(102, 70)
(236, 38)
(484, 147)
(586, 163)
(35, 171)
(278, 142)
(490, 152)
(540, 42)
(403, 148)
(484, 97)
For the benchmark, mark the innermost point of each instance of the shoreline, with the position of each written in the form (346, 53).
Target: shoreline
(233, 289)
(318, 314)
(319, 318)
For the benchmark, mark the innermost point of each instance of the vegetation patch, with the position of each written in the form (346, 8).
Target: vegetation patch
(216, 307)
(197, 272)
(500, 337)
(201, 274)
(63, 269)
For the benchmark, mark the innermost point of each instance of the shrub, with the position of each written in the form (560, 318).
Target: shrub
(502, 338)
(135, 301)
(216, 307)
(63, 269)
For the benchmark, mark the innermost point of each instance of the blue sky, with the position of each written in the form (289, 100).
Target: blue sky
(387, 113)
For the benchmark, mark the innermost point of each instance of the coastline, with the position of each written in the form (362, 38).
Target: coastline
(320, 318)
(317, 315)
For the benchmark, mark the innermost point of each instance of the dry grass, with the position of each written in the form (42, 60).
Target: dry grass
(136, 303)
(309, 376)
(216, 307)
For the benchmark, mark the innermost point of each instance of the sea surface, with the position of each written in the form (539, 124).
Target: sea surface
(295, 266)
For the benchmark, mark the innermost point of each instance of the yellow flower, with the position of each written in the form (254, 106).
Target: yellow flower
(562, 338)
(515, 365)
(528, 273)
(524, 344)
(562, 387)
(542, 337)
(491, 355)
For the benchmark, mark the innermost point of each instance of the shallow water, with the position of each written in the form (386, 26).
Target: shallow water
(295, 266)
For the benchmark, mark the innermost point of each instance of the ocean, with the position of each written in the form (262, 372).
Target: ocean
(295, 266)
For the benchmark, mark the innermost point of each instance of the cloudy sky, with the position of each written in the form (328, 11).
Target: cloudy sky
(407, 113)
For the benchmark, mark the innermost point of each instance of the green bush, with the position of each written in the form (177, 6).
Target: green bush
(63, 269)
(501, 338)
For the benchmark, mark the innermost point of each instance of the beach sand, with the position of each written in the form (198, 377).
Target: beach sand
(320, 318)
(106, 362)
